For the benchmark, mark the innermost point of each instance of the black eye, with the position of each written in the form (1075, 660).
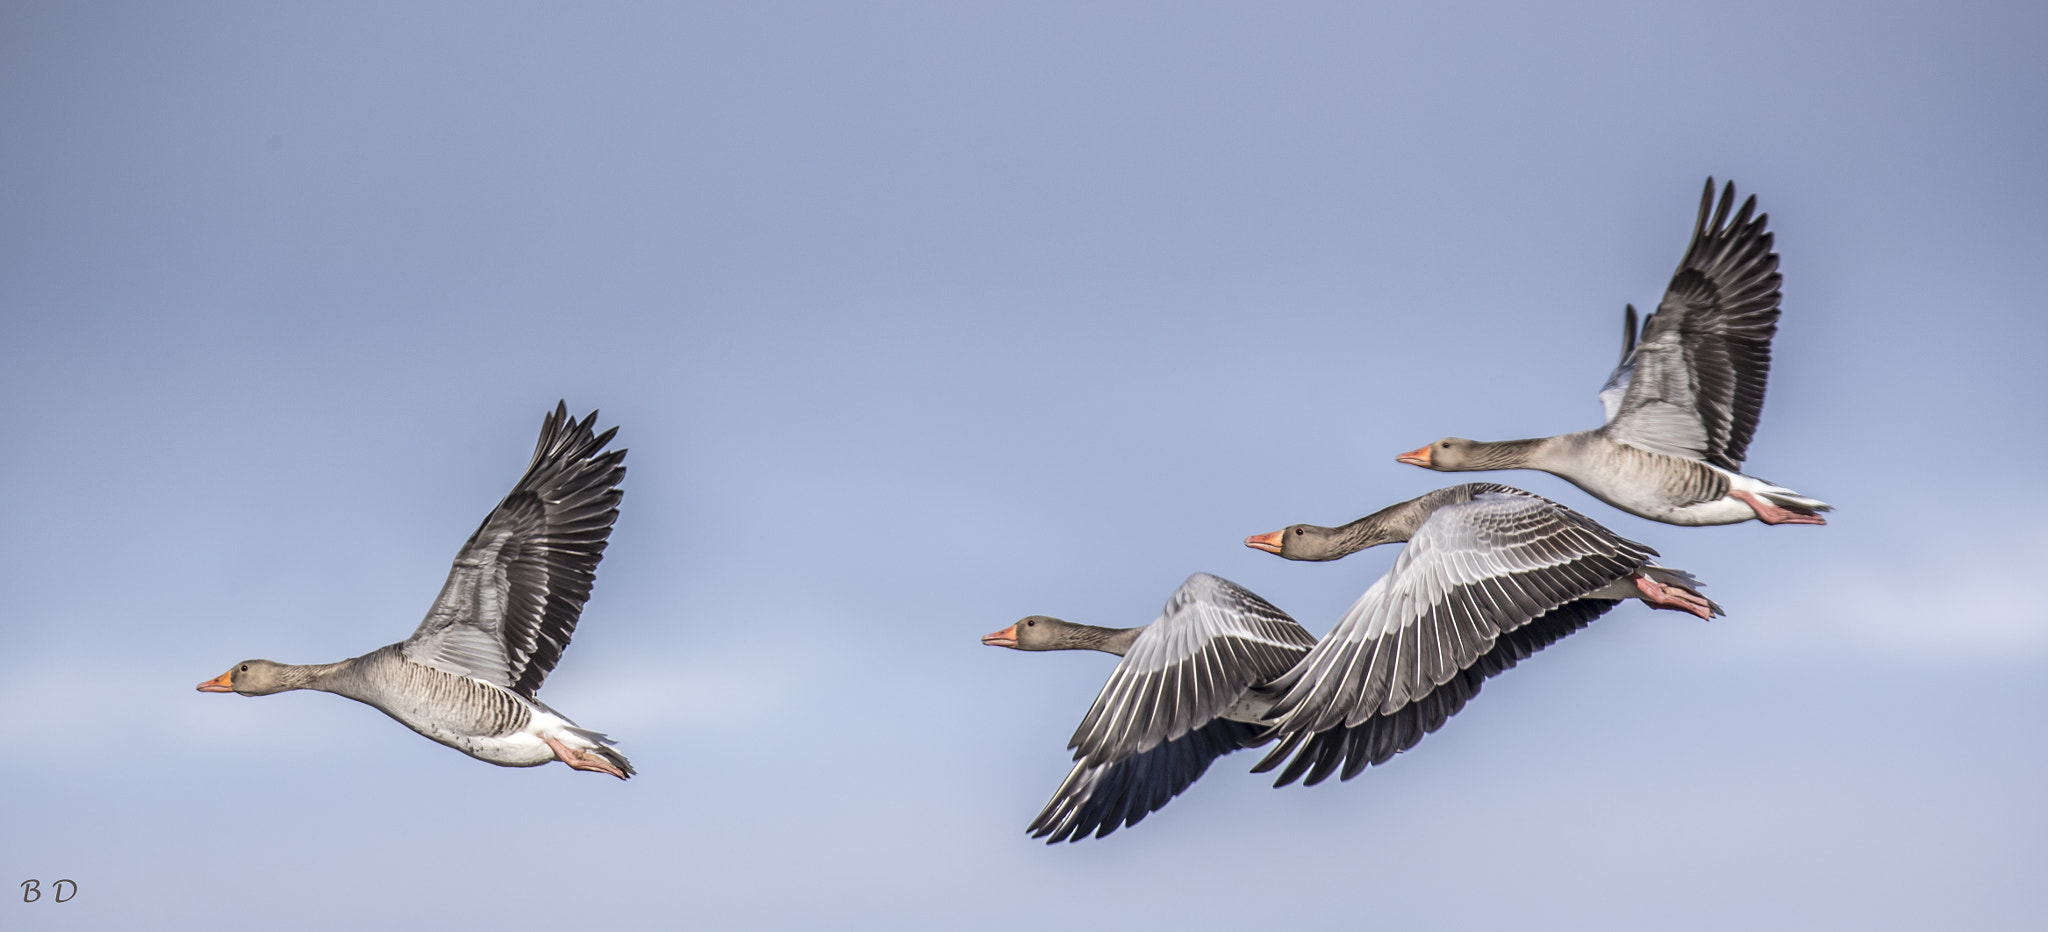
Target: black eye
(1031, 624)
(1297, 532)
(245, 668)
(1446, 444)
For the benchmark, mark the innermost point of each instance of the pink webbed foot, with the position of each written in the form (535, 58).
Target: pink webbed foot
(581, 759)
(1777, 514)
(1674, 598)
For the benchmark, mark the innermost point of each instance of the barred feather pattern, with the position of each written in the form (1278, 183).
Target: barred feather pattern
(438, 704)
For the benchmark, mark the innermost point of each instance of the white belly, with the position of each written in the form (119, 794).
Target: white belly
(519, 749)
(1724, 510)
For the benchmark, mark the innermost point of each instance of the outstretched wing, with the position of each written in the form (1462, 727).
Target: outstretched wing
(1213, 640)
(1694, 384)
(519, 584)
(1377, 739)
(1474, 571)
(1099, 797)
(1155, 727)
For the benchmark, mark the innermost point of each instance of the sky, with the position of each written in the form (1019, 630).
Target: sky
(919, 318)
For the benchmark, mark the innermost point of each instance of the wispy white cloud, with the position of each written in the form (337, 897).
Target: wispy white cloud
(1952, 601)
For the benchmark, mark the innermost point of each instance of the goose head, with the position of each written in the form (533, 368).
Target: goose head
(1044, 632)
(1451, 454)
(1456, 454)
(1034, 632)
(251, 678)
(1307, 542)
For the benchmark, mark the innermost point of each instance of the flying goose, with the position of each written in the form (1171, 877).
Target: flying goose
(1684, 401)
(1181, 698)
(1490, 575)
(467, 677)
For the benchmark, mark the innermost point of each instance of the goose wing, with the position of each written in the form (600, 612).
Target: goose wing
(1100, 796)
(1317, 754)
(1474, 571)
(1213, 640)
(1154, 728)
(1692, 385)
(513, 596)
(1616, 389)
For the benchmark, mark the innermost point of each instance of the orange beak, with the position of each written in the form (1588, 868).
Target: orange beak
(1415, 457)
(1270, 543)
(1004, 638)
(224, 683)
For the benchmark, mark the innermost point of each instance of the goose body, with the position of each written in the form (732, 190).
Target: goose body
(1683, 404)
(466, 677)
(1489, 575)
(480, 719)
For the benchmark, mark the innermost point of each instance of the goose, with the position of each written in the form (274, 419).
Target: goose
(467, 677)
(1684, 402)
(1490, 575)
(1183, 695)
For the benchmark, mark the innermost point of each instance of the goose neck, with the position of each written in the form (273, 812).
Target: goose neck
(1509, 454)
(1390, 525)
(1108, 640)
(325, 677)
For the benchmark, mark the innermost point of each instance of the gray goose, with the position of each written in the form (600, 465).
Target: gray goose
(1684, 401)
(1182, 697)
(1490, 575)
(467, 677)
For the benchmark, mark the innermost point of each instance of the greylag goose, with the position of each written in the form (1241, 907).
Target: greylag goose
(1181, 697)
(1490, 575)
(467, 677)
(1684, 402)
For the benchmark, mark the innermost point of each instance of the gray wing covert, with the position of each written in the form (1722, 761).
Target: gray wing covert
(1694, 384)
(1474, 571)
(513, 597)
(1154, 728)
(1213, 640)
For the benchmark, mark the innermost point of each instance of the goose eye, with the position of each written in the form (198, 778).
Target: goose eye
(1031, 624)
(1297, 532)
(245, 668)
(1446, 444)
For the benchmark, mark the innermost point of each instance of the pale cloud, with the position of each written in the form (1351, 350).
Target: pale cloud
(1950, 602)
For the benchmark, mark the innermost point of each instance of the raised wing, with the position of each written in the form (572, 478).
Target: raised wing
(1377, 739)
(1097, 798)
(1616, 388)
(1474, 571)
(512, 599)
(1694, 385)
(1213, 640)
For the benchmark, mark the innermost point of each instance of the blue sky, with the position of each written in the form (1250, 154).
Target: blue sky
(920, 318)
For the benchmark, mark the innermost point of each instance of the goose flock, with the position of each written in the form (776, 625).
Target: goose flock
(1490, 574)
